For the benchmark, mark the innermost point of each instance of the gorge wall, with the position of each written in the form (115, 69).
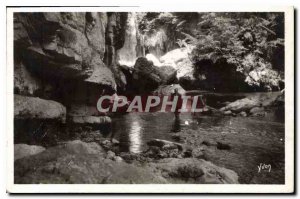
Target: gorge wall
(63, 62)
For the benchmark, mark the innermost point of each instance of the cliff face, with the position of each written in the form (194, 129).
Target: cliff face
(66, 46)
(69, 58)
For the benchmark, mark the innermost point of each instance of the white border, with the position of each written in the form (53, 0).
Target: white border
(170, 188)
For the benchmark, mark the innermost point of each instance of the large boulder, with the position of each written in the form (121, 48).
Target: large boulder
(36, 108)
(179, 60)
(24, 150)
(80, 163)
(191, 170)
(249, 103)
(148, 77)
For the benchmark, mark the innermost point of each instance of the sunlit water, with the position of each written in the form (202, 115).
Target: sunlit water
(133, 130)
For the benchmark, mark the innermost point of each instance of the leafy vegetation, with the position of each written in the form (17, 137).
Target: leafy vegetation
(249, 45)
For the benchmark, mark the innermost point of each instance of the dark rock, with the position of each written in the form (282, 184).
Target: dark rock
(164, 144)
(177, 138)
(90, 120)
(209, 143)
(223, 146)
(146, 75)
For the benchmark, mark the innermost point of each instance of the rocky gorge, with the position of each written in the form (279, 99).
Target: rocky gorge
(63, 62)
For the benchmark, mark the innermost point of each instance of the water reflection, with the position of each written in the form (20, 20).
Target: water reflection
(135, 137)
(176, 125)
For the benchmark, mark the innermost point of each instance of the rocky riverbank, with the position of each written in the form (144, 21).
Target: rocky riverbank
(79, 162)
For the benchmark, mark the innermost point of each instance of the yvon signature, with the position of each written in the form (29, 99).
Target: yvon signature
(264, 167)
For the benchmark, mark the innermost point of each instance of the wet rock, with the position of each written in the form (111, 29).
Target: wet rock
(110, 155)
(118, 159)
(164, 144)
(177, 138)
(37, 108)
(82, 109)
(257, 110)
(227, 113)
(223, 146)
(115, 142)
(243, 114)
(209, 143)
(24, 150)
(91, 120)
(255, 100)
(131, 157)
(106, 144)
(80, 163)
(197, 153)
(188, 153)
(191, 170)
(169, 89)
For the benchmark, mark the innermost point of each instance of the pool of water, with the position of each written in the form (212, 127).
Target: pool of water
(134, 130)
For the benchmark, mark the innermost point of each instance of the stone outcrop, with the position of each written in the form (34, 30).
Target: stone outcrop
(36, 108)
(80, 163)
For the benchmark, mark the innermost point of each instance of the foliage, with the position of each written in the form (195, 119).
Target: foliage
(248, 43)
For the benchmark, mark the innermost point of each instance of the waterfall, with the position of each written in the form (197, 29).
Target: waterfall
(128, 53)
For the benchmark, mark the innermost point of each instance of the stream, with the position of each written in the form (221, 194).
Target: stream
(253, 141)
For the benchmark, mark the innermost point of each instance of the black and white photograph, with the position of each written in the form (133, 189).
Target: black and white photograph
(166, 98)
